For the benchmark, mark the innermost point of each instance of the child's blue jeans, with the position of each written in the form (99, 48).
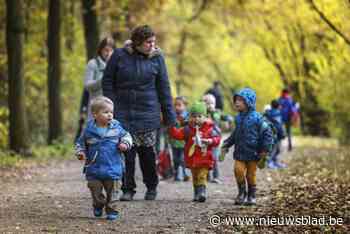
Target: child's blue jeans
(275, 152)
(216, 154)
(179, 161)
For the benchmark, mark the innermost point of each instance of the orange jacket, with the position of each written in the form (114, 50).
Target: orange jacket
(197, 158)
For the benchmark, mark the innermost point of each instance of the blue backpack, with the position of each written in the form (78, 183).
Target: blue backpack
(276, 127)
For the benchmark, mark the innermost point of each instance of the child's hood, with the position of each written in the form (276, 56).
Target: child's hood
(249, 97)
(91, 125)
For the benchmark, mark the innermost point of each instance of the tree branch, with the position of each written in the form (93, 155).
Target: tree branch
(328, 22)
(276, 64)
(199, 12)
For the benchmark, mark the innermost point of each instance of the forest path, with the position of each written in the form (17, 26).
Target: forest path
(57, 200)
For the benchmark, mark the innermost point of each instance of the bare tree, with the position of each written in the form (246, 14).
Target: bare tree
(180, 54)
(91, 29)
(54, 71)
(14, 41)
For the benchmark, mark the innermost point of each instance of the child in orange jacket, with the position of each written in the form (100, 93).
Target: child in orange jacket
(200, 137)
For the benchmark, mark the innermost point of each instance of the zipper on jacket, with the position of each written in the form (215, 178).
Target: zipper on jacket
(98, 149)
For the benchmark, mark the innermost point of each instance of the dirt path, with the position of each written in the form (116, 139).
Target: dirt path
(58, 201)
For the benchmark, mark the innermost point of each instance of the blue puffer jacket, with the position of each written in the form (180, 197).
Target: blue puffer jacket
(274, 114)
(139, 87)
(252, 135)
(287, 108)
(103, 158)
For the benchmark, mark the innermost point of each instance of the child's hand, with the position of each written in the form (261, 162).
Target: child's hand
(223, 153)
(123, 147)
(262, 162)
(81, 155)
(263, 154)
(207, 141)
(224, 149)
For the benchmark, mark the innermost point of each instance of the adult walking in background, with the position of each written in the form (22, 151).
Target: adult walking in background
(95, 69)
(216, 92)
(288, 112)
(136, 79)
(93, 80)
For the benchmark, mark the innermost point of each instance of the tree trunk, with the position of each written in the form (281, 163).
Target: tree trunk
(69, 24)
(54, 71)
(19, 140)
(180, 62)
(91, 30)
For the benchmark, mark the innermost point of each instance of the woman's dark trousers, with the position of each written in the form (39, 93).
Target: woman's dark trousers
(147, 160)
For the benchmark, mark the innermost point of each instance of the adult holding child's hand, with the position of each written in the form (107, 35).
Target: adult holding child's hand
(136, 80)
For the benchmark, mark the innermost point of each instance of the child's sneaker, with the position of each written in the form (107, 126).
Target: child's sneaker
(98, 212)
(216, 181)
(177, 179)
(115, 196)
(280, 165)
(271, 165)
(113, 215)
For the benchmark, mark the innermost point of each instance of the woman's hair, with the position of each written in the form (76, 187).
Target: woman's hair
(107, 41)
(141, 34)
(99, 103)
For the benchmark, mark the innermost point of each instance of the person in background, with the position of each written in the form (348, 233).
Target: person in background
(216, 91)
(177, 146)
(288, 111)
(95, 68)
(215, 115)
(275, 117)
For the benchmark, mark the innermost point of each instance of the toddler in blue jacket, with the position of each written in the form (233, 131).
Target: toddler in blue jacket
(101, 146)
(252, 138)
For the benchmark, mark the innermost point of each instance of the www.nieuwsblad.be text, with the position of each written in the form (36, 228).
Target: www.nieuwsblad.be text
(216, 221)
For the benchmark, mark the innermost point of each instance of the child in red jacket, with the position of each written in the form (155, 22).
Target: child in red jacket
(200, 138)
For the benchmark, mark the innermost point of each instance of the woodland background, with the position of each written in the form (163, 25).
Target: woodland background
(264, 44)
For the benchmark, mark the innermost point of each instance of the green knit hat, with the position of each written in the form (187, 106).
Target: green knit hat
(198, 108)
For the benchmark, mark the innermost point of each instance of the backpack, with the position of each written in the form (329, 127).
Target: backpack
(277, 134)
(276, 128)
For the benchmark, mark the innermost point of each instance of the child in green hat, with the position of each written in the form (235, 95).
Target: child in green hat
(200, 136)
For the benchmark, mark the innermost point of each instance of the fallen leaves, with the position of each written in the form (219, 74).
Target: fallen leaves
(316, 184)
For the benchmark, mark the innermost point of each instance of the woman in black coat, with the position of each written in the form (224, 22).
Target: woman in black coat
(136, 80)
